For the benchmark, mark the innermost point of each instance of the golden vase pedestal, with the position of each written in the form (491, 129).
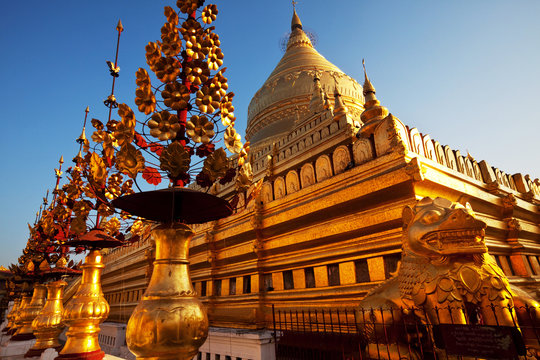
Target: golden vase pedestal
(11, 315)
(25, 300)
(29, 312)
(84, 312)
(170, 322)
(48, 324)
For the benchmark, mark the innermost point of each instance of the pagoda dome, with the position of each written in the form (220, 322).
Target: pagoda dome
(284, 98)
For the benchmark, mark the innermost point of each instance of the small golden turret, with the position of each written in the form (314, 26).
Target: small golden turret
(374, 112)
(317, 97)
(340, 110)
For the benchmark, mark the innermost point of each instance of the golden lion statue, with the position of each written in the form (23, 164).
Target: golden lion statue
(446, 276)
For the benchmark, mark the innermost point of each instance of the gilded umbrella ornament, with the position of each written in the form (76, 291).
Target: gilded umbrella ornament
(170, 322)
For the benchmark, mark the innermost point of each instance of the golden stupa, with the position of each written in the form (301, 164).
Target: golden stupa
(286, 96)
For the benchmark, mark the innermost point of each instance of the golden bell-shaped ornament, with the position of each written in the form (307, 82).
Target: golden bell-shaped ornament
(25, 300)
(11, 315)
(170, 322)
(29, 313)
(48, 324)
(84, 312)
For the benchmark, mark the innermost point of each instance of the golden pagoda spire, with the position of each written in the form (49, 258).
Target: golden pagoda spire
(295, 22)
(298, 36)
(374, 112)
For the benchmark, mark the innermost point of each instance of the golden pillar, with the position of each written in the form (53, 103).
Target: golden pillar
(11, 316)
(29, 312)
(84, 312)
(170, 322)
(48, 324)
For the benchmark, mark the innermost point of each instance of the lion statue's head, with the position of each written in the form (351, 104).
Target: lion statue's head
(440, 228)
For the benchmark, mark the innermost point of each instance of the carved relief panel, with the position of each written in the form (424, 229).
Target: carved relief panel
(292, 182)
(391, 135)
(341, 158)
(323, 168)
(279, 188)
(362, 151)
(267, 193)
(307, 175)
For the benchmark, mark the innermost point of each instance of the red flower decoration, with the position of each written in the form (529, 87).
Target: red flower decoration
(139, 140)
(205, 150)
(156, 148)
(203, 180)
(151, 175)
(229, 175)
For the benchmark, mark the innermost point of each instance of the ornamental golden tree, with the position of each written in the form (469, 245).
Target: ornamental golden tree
(187, 109)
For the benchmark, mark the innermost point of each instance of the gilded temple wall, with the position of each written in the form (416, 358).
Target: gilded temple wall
(326, 226)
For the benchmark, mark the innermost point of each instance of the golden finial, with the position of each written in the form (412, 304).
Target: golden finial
(119, 27)
(61, 159)
(295, 23)
(82, 138)
(368, 87)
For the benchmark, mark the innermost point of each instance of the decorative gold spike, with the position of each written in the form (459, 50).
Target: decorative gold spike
(119, 27)
(295, 23)
(368, 87)
(61, 159)
(87, 110)
(82, 137)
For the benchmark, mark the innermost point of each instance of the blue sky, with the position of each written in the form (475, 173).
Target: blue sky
(465, 72)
